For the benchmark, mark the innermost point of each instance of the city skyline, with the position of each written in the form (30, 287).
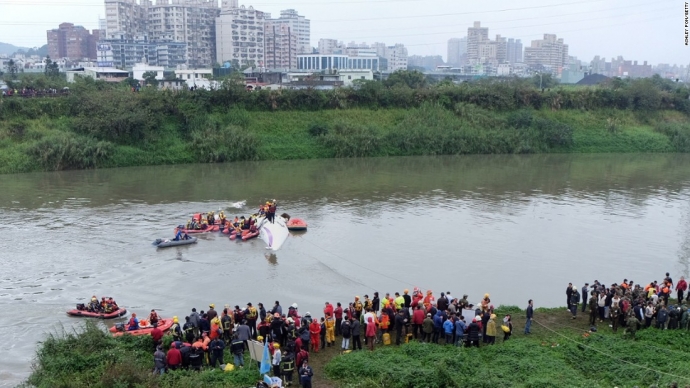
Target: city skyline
(637, 30)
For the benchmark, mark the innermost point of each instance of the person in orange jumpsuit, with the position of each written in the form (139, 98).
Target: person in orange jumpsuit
(429, 299)
(315, 334)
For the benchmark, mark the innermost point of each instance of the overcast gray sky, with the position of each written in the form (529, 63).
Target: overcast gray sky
(636, 29)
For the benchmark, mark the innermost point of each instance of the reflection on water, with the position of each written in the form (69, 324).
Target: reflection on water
(519, 227)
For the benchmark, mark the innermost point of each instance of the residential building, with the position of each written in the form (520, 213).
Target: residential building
(190, 22)
(476, 36)
(125, 54)
(197, 78)
(73, 42)
(280, 46)
(125, 19)
(457, 51)
(397, 57)
(298, 26)
(549, 52)
(240, 35)
(514, 50)
(185, 21)
(330, 46)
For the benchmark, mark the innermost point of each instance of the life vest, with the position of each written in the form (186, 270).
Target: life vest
(252, 314)
(174, 329)
(272, 209)
(358, 306)
(133, 322)
(385, 321)
(153, 318)
(287, 364)
(227, 322)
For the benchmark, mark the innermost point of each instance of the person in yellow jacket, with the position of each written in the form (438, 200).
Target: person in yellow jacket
(491, 330)
(330, 330)
(399, 301)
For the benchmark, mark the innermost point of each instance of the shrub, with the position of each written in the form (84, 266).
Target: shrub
(318, 129)
(554, 133)
(521, 119)
(217, 144)
(348, 140)
(679, 133)
(69, 151)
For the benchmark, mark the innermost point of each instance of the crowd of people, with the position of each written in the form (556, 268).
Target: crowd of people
(368, 322)
(632, 305)
(291, 337)
(32, 92)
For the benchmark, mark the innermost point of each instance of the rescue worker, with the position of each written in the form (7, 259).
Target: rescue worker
(237, 350)
(226, 324)
(211, 313)
(277, 357)
(188, 330)
(631, 325)
(314, 335)
(287, 366)
(133, 322)
(251, 314)
(330, 330)
(358, 307)
(153, 317)
(593, 308)
(176, 330)
(216, 347)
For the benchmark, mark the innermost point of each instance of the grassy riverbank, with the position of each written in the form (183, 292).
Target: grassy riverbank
(556, 352)
(103, 126)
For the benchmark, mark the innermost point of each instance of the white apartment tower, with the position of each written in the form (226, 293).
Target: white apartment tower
(476, 36)
(299, 26)
(549, 52)
(240, 35)
(397, 57)
(125, 19)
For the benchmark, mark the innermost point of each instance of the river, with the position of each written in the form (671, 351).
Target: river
(517, 227)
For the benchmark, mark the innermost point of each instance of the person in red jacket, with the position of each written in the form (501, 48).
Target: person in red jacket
(681, 287)
(328, 310)
(370, 333)
(174, 357)
(156, 334)
(417, 321)
(315, 334)
(338, 312)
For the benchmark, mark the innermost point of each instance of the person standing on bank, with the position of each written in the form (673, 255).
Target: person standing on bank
(574, 301)
(681, 287)
(530, 314)
(568, 292)
(585, 291)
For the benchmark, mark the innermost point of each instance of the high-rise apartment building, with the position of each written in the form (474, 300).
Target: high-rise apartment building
(299, 26)
(397, 57)
(240, 35)
(514, 50)
(280, 47)
(476, 36)
(549, 52)
(72, 42)
(190, 22)
(457, 51)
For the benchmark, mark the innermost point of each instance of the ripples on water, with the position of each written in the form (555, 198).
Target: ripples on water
(517, 227)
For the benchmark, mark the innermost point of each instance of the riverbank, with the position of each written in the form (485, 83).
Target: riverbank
(53, 143)
(558, 350)
(100, 125)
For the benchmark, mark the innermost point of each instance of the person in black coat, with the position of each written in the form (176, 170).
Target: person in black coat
(473, 334)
